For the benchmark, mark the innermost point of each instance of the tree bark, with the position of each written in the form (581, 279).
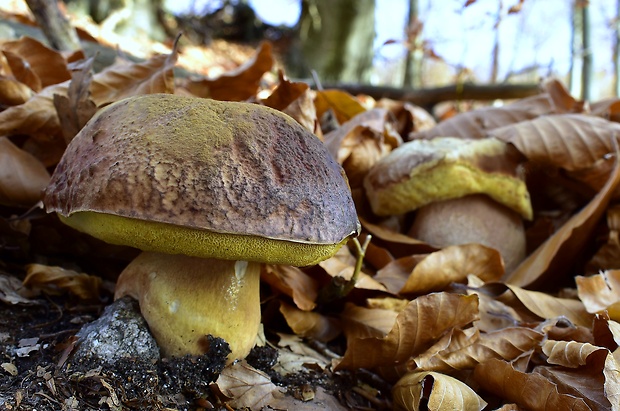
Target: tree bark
(581, 62)
(60, 34)
(415, 51)
(336, 40)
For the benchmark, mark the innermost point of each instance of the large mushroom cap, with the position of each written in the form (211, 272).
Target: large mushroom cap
(421, 172)
(178, 174)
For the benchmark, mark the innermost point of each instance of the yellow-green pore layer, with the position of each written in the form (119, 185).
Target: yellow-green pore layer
(172, 239)
(238, 169)
(421, 172)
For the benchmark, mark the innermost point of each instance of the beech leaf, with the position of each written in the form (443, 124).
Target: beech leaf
(434, 392)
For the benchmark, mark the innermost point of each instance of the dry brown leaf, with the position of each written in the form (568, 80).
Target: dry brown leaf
(416, 328)
(344, 105)
(342, 264)
(454, 264)
(248, 387)
(293, 282)
(571, 354)
(608, 256)
(494, 314)
(294, 355)
(58, 280)
(463, 350)
(568, 141)
(75, 109)
(21, 70)
(48, 64)
(361, 322)
(239, 84)
(117, 82)
(548, 307)
(555, 257)
(12, 291)
(531, 391)
(302, 110)
(611, 371)
(22, 176)
(309, 324)
(13, 92)
(285, 93)
(600, 292)
(434, 392)
(478, 123)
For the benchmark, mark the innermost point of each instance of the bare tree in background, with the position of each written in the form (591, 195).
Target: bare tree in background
(335, 40)
(60, 34)
(580, 83)
(415, 48)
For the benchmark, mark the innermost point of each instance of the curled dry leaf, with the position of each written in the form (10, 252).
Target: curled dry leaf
(416, 328)
(435, 392)
(464, 349)
(478, 123)
(12, 291)
(344, 105)
(530, 391)
(294, 355)
(293, 282)
(611, 371)
(568, 141)
(75, 109)
(47, 64)
(309, 324)
(117, 82)
(454, 264)
(248, 387)
(22, 176)
(601, 292)
(571, 354)
(58, 280)
(361, 322)
(547, 306)
(494, 314)
(555, 257)
(237, 85)
(13, 92)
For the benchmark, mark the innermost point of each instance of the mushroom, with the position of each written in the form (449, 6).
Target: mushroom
(464, 191)
(208, 190)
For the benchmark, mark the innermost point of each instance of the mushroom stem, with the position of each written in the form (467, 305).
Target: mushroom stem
(473, 219)
(184, 299)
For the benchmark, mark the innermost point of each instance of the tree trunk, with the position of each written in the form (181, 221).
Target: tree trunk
(60, 34)
(336, 40)
(580, 81)
(415, 50)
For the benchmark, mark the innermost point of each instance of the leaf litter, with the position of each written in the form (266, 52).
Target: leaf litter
(422, 327)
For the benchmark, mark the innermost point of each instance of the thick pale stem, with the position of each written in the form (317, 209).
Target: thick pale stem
(183, 299)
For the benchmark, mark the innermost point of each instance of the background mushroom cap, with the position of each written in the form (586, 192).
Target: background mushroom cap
(424, 171)
(236, 169)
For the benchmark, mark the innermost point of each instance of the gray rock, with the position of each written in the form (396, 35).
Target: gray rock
(119, 334)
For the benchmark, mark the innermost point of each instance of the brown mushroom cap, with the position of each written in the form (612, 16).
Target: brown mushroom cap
(204, 178)
(421, 172)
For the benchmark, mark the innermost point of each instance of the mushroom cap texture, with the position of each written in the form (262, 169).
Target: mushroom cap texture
(187, 169)
(421, 172)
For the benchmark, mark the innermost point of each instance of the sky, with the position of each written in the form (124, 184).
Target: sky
(540, 34)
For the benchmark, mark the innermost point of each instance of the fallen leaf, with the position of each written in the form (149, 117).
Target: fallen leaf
(555, 257)
(75, 109)
(464, 349)
(58, 280)
(600, 292)
(417, 327)
(435, 392)
(310, 324)
(453, 264)
(570, 354)
(248, 387)
(530, 391)
(22, 176)
(344, 105)
(239, 84)
(293, 282)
